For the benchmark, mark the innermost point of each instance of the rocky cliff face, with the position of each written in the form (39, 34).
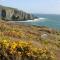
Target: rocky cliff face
(7, 13)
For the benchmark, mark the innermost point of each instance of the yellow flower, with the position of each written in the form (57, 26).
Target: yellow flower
(5, 43)
(13, 45)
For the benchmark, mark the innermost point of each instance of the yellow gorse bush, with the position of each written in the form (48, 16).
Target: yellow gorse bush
(25, 49)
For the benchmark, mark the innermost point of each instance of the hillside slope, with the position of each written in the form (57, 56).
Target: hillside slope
(29, 42)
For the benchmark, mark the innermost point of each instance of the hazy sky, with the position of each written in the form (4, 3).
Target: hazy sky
(34, 6)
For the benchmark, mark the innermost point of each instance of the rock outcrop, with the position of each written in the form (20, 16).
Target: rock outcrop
(7, 13)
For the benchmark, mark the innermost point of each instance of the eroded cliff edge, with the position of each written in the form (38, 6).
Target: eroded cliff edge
(7, 13)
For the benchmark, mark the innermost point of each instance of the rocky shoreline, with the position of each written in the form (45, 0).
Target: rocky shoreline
(9, 14)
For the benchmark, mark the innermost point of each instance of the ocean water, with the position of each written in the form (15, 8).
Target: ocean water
(49, 20)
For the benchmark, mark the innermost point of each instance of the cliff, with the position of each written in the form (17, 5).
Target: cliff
(7, 13)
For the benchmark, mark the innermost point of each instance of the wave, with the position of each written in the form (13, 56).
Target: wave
(42, 18)
(34, 20)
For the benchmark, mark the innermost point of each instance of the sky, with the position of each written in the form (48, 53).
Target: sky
(34, 6)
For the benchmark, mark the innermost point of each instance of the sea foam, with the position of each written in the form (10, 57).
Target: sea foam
(36, 20)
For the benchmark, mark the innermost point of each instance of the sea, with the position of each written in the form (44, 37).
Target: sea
(48, 20)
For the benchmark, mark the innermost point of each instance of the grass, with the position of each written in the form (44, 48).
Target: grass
(20, 42)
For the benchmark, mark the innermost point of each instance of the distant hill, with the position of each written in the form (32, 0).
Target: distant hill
(8, 13)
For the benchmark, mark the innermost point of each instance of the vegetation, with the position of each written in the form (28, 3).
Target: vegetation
(20, 50)
(22, 42)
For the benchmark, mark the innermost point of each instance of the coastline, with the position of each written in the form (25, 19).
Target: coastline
(31, 23)
(39, 36)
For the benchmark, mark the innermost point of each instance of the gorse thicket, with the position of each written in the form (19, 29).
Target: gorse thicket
(20, 50)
